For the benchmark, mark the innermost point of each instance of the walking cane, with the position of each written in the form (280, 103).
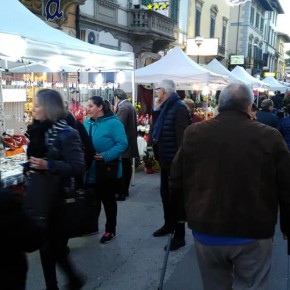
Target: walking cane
(165, 261)
(288, 264)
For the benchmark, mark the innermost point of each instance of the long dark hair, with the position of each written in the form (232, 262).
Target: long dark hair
(99, 101)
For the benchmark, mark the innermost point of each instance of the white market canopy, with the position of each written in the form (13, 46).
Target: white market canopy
(215, 66)
(24, 36)
(241, 73)
(274, 84)
(176, 65)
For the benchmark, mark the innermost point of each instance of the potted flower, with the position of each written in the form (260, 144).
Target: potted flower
(149, 162)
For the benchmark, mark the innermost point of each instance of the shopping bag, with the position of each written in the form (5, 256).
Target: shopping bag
(42, 192)
(78, 213)
(106, 171)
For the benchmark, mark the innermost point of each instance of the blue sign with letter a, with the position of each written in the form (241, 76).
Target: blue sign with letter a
(52, 9)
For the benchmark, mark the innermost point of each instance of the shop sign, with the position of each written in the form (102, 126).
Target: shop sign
(269, 74)
(237, 59)
(52, 10)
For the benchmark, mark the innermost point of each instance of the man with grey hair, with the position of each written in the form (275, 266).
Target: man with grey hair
(231, 173)
(266, 115)
(168, 129)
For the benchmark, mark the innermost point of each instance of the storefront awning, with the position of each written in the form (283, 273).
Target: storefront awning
(29, 42)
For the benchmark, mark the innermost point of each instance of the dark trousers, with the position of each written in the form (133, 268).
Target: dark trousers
(178, 228)
(54, 251)
(105, 194)
(126, 176)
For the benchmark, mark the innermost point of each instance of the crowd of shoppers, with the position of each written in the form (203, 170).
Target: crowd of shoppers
(227, 191)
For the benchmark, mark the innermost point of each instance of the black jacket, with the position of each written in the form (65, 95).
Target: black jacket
(176, 120)
(88, 147)
(19, 234)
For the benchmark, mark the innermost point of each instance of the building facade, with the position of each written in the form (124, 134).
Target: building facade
(254, 34)
(210, 19)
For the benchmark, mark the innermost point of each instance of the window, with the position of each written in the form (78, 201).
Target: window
(174, 9)
(198, 7)
(212, 27)
(213, 13)
(224, 31)
(257, 20)
(252, 17)
(197, 22)
(262, 25)
(250, 46)
(250, 49)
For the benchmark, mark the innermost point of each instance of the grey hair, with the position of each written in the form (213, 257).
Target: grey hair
(235, 96)
(52, 103)
(169, 86)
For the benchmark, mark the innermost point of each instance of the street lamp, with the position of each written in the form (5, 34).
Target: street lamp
(198, 41)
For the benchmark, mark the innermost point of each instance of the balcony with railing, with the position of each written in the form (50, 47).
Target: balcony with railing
(150, 23)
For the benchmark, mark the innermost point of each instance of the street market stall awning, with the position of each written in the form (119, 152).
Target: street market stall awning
(176, 65)
(27, 40)
(247, 78)
(215, 66)
(274, 84)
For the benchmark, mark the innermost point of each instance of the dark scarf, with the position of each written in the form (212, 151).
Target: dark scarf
(173, 98)
(40, 135)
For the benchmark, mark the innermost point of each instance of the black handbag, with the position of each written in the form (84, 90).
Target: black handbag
(106, 171)
(42, 192)
(78, 213)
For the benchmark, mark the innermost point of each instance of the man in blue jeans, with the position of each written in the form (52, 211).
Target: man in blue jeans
(232, 173)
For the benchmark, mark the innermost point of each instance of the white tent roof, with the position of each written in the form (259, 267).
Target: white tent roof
(24, 36)
(176, 65)
(274, 84)
(250, 80)
(215, 66)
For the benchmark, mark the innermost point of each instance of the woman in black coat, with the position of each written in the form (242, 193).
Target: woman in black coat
(19, 234)
(54, 148)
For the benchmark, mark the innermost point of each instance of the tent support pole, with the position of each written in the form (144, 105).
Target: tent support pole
(134, 99)
(2, 117)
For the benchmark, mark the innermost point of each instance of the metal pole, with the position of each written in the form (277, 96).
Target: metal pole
(134, 99)
(2, 116)
(238, 29)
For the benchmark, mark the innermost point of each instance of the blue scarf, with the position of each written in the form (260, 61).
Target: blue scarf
(173, 98)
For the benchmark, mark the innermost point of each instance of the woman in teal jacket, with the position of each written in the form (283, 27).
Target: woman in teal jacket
(110, 141)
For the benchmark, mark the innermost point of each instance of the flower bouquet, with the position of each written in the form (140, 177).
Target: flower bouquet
(149, 162)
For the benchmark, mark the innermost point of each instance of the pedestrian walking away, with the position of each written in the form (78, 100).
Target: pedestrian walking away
(231, 174)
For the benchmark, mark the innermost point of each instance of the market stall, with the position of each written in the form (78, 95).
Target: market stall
(241, 73)
(176, 65)
(274, 84)
(187, 74)
(215, 66)
(27, 45)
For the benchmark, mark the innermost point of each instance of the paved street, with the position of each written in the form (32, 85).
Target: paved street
(133, 261)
